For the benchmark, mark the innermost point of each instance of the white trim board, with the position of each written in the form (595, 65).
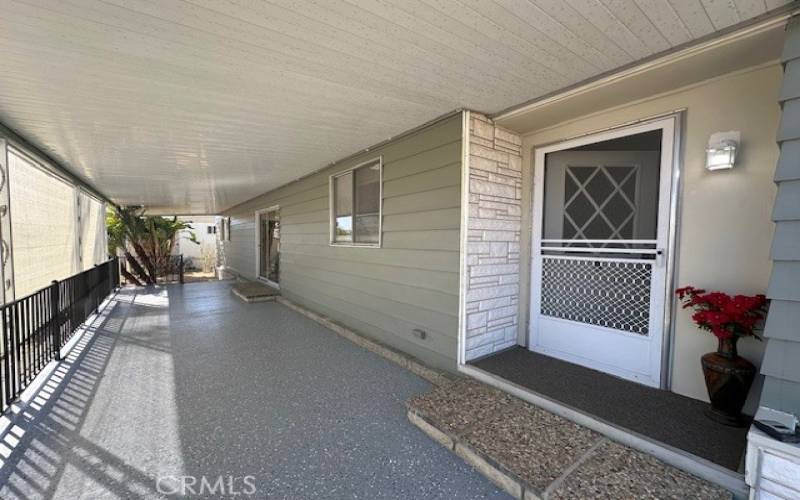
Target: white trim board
(718, 54)
(463, 279)
(741, 52)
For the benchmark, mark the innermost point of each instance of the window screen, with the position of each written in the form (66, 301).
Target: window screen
(356, 206)
(343, 208)
(368, 203)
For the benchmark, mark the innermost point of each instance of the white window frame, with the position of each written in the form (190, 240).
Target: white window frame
(331, 206)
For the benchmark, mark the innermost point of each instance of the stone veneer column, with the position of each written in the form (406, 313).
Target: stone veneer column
(493, 232)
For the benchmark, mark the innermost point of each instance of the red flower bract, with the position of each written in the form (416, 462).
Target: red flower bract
(723, 315)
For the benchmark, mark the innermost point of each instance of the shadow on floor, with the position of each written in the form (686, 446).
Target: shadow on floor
(44, 437)
(184, 384)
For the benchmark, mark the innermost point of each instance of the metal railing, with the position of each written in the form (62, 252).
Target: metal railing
(172, 270)
(33, 329)
(169, 269)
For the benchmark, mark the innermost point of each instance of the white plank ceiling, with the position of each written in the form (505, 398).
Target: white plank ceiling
(194, 106)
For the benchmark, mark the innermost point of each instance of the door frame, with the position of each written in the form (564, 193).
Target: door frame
(273, 208)
(670, 124)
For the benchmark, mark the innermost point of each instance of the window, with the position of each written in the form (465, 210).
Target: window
(356, 205)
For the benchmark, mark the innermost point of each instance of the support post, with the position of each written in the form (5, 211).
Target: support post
(180, 269)
(96, 288)
(55, 312)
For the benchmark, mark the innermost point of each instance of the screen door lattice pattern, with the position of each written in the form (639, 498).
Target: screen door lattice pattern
(600, 202)
(605, 293)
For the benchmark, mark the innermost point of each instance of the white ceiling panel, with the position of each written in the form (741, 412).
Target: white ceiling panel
(194, 106)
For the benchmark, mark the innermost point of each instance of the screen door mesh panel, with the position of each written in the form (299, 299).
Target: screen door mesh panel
(604, 293)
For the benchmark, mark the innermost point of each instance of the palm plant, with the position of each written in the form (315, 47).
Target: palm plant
(161, 237)
(151, 239)
(135, 234)
(116, 244)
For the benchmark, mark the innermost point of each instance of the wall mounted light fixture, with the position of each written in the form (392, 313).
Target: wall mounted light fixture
(721, 151)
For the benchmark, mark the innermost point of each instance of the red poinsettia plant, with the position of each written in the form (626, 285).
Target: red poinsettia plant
(723, 315)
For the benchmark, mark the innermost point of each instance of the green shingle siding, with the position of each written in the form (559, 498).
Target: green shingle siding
(782, 357)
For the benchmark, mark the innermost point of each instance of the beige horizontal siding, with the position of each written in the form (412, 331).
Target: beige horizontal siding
(365, 320)
(411, 259)
(438, 281)
(411, 282)
(446, 197)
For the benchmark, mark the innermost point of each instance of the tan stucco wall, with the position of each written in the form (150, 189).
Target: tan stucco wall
(724, 227)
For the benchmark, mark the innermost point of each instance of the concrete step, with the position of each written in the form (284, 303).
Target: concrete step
(250, 292)
(533, 454)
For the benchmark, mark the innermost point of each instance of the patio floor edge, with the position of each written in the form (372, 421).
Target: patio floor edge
(410, 363)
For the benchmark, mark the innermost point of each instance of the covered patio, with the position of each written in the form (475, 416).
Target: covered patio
(418, 193)
(172, 385)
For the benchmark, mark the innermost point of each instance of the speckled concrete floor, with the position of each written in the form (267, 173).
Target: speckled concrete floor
(190, 381)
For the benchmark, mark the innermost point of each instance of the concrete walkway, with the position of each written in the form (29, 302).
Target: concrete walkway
(186, 388)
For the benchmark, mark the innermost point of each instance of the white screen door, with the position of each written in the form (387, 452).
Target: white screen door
(601, 227)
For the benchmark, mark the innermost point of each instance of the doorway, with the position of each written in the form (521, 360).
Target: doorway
(269, 245)
(601, 221)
